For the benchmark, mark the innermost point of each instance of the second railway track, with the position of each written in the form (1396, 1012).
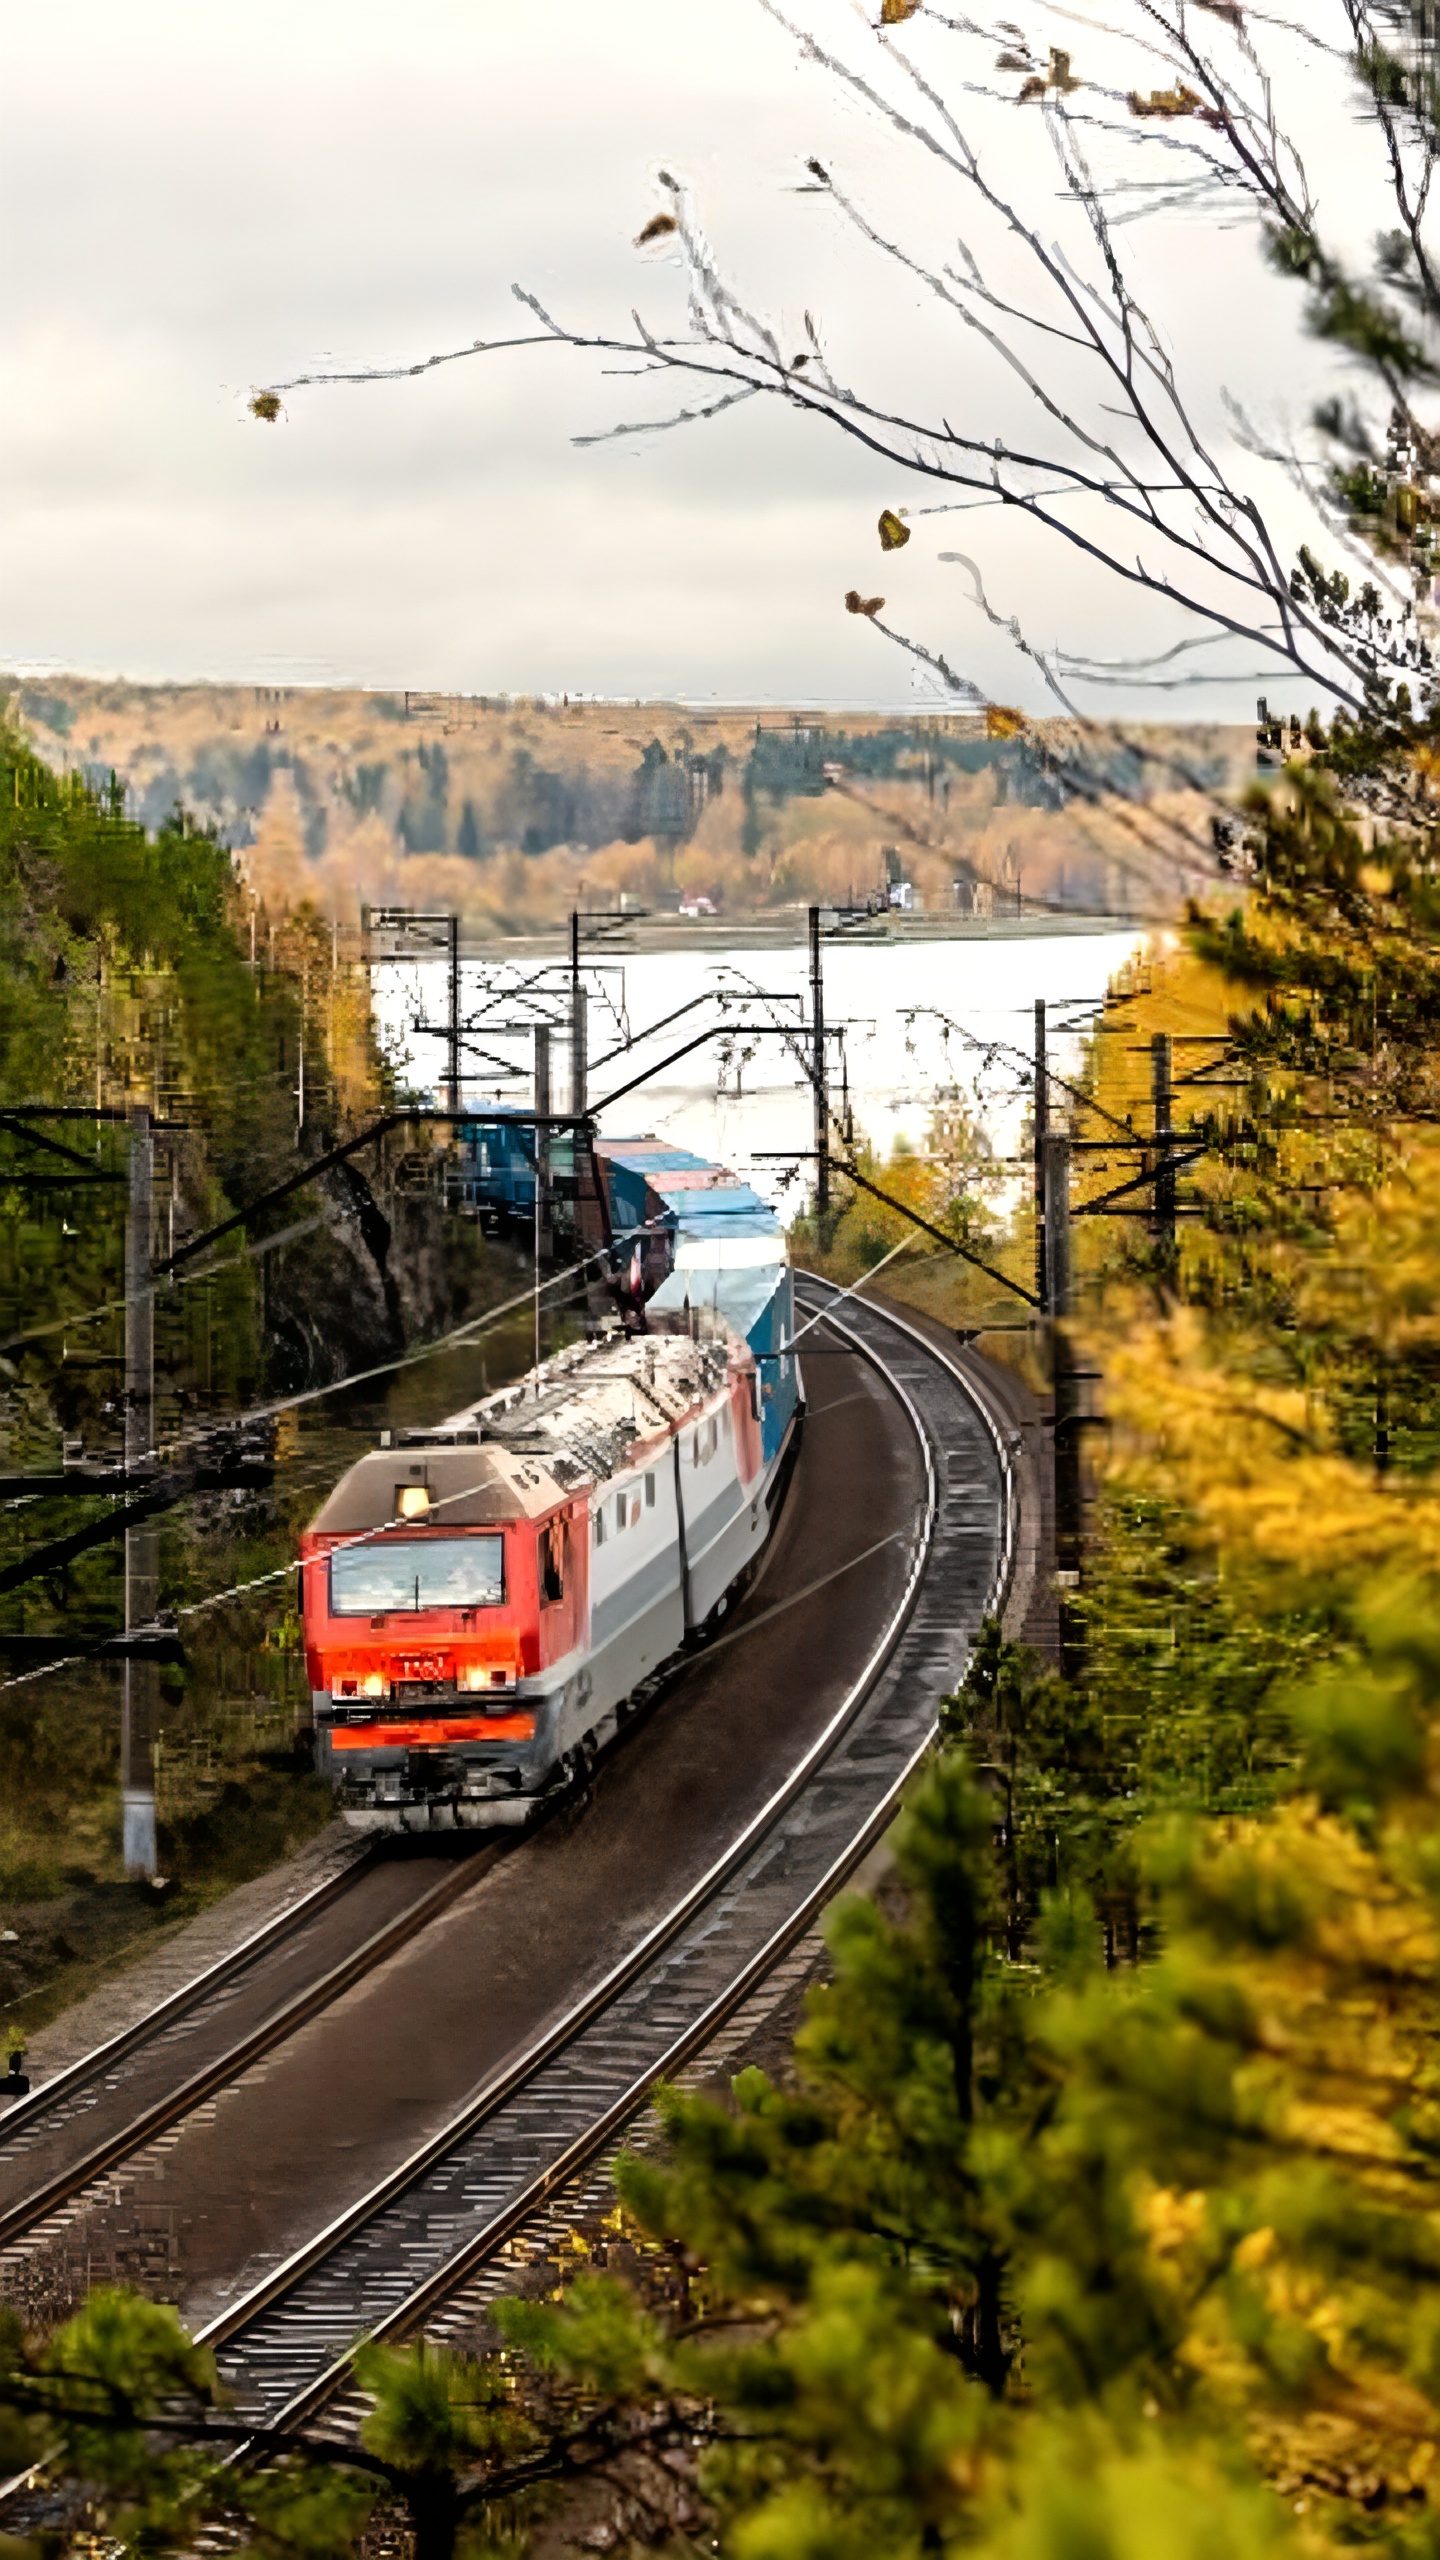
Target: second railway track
(90, 2117)
(421, 2233)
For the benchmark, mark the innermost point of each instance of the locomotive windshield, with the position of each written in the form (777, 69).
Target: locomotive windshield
(416, 1573)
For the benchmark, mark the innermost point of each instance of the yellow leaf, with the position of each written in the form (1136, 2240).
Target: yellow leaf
(1178, 101)
(893, 534)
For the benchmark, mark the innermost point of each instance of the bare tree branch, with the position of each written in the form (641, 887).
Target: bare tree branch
(1117, 469)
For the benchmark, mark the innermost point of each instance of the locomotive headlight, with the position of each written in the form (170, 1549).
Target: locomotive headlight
(373, 1685)
(476, 1676)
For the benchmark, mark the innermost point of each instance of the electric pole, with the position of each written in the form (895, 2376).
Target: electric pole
(1161, 1088)
(579, 1062)
(452, 1017)
(1068, 1422)
(543, 1237)
(817, 1073)
(142, 1545)
(1057, 1220)
(1041, 1132)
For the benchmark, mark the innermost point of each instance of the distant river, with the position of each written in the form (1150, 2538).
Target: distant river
(919, 1018)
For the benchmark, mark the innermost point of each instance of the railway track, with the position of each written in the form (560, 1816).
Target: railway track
(425, 2238)
(113, 2101)
(265, 2065)
(426, 2232)
(460, 2318)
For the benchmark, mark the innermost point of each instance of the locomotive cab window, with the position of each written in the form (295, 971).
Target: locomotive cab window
(383, 1574)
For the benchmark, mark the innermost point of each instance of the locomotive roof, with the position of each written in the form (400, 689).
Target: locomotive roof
(574, 1422)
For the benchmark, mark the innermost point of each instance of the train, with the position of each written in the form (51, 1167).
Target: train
(485, 1600)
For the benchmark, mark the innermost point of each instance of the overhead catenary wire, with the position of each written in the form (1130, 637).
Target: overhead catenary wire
(470, 1330)
(801, 1330)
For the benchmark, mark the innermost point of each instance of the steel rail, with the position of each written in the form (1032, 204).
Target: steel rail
(546, 2195)
(563, 2034)
(374, 2269)
(33, 2116)
(20, 2217)
(436, 2289)
(546, 2190)
(177, 2004)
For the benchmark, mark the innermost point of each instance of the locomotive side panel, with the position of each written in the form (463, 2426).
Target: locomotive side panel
(724, 1527)
(637, 1614)
(481, 1599)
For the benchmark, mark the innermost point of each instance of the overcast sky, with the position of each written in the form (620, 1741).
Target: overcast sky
(200, 200)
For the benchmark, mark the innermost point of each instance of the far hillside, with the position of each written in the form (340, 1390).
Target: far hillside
(510, 810)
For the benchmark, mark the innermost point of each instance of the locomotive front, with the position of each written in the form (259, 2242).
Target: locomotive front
(438, 1586)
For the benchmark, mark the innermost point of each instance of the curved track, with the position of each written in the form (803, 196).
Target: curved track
(424, 2231)
(394, 2120)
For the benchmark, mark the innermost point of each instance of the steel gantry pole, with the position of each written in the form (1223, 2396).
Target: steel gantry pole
(1041, 1132)
(544, 1251)
(142, 1544)
(817, 1071)
(544, 1241)
(1057, 1221)
(579, 1067)
(1161, 1089)
(1068, 1423)
(452, 1015)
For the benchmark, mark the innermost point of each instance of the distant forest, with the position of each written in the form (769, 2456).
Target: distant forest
(508, 810)
(534, 806)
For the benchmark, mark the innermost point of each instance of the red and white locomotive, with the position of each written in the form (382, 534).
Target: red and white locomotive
(482, 1599)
